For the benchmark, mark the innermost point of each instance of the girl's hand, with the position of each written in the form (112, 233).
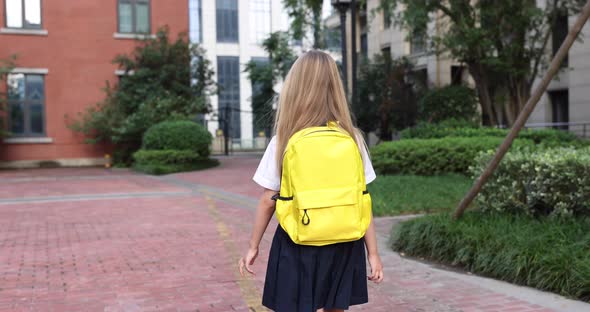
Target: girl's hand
(376, 268)
(248, 260)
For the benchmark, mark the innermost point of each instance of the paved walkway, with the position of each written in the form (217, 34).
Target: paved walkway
(113, 240)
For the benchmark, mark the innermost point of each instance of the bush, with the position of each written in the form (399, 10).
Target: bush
(433, 156)
(160, 89)
(547, 254)
(551, 182)
(448, 102)
(181, 135)
(170, 161)
(542, 137)
(405, 194)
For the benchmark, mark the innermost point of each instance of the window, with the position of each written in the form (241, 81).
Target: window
(386, 51)
(134, 16)
(333, 40)
(23, 14)
(559, 33)
(227, 20)
(195, 21)
(260, 19)
(560, 108)
(228, 79)
(418, 38)
(457, 74)
(364, 46)
(386, 19)
(261, 122)
(417, 43)
(26, 105)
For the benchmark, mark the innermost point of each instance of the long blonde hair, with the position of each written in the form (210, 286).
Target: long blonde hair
(312, 95)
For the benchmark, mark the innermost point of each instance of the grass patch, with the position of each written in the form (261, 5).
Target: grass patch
(406, 194)
(546, 253)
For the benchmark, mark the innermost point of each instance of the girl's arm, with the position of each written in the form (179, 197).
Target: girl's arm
(373, 254)
(264, 211)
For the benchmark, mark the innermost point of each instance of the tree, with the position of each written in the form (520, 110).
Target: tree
(6, 67)
(387, 92)
(503, 43)
(164, 80)
(264, 75)
(306, 14)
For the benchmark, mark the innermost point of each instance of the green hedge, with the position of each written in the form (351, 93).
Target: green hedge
(178, 135)
(169, 161)
(548, 254)
(543, 137)
(433, 156)
(545, 182)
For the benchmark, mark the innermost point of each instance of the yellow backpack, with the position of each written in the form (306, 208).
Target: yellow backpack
(323, 198)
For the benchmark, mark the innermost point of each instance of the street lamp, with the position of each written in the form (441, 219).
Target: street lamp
(342, 6)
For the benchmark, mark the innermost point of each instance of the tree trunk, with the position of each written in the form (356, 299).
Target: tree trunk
(483, 92)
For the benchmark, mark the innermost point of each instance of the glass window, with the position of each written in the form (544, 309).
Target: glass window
(195, 24)
(559, 33)
(386, 19)
(260, 19)
(417, 43)
(227, 20)
(23, 14)
(134, 16)
(228, 79)
(26, 104)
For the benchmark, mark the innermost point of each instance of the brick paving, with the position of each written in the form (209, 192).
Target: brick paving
(113, 240)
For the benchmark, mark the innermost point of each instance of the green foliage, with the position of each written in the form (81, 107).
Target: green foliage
(264, 75)
(174, 146)
(168, 157)
(5, 67)
(170, 161)
(433, 156)
(406, 194)
(542, 137)
(183, 135)
(547, 254)
(306, 14)
(502, 43)
(387, 92)
(545, 182)
(448, 102)
(158, 87)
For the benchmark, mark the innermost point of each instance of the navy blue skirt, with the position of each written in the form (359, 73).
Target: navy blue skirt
(306, 278)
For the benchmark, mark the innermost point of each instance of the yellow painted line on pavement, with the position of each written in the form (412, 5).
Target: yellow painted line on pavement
(249, 292)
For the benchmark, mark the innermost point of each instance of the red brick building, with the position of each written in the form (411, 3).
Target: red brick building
(64, 51)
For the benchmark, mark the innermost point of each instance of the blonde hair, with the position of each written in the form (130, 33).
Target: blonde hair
(312, 95)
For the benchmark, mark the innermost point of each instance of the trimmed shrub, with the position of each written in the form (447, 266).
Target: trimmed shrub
(542, 137)
(448, 102)
(433, 156)
(545, 182)
(170, 161)
(183, 135)
(544, 253)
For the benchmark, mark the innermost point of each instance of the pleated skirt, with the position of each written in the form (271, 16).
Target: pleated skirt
(306, 278)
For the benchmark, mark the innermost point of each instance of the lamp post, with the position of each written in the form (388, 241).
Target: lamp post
(342, 7)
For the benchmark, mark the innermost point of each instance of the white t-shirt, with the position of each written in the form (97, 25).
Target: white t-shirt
(267, 174)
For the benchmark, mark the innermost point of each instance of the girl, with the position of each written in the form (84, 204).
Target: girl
(299, 277)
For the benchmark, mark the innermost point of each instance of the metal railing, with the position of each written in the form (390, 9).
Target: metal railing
(579, 128)
(257, 144)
